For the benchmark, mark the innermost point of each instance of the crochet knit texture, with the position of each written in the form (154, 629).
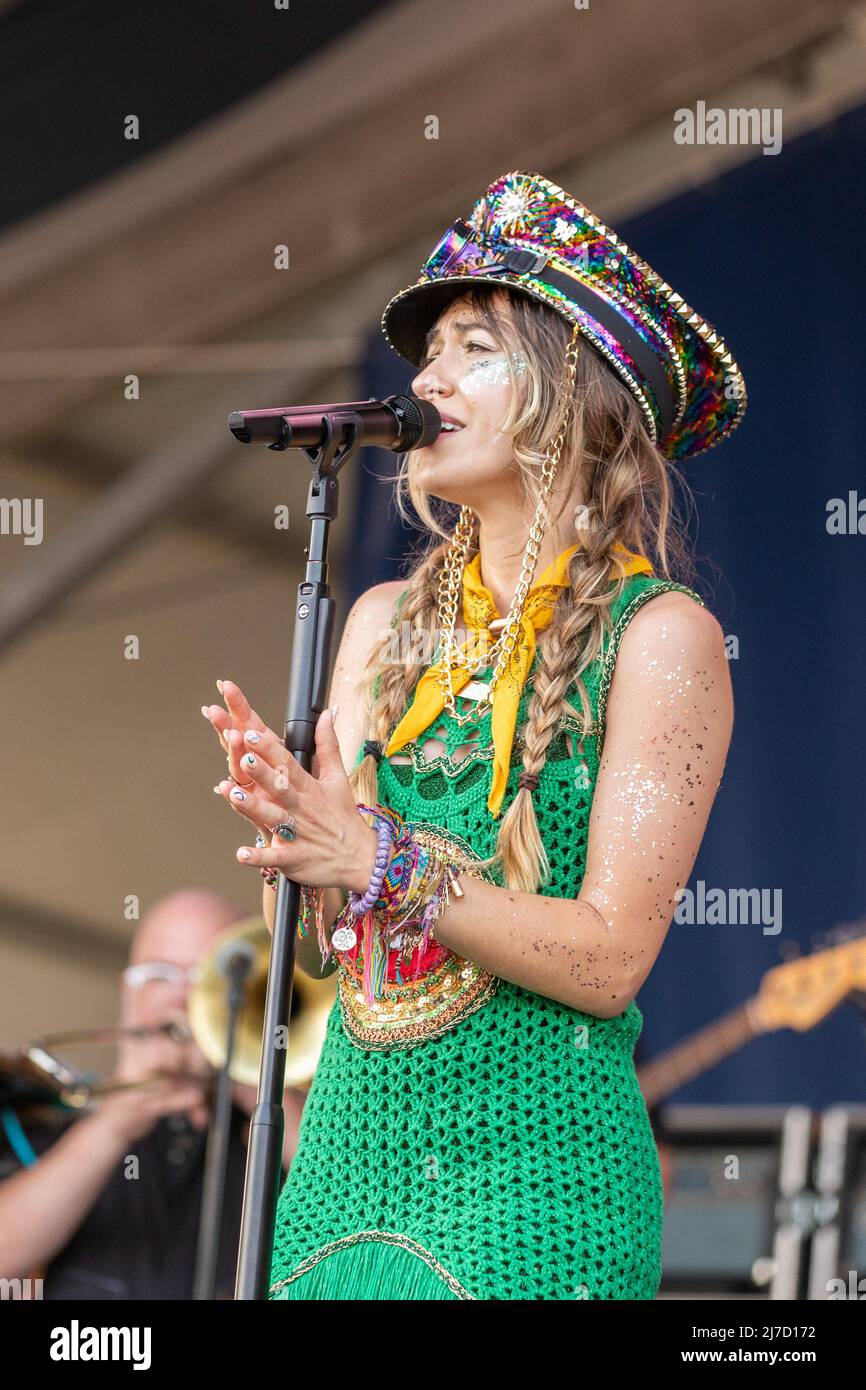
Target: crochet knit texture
(512, 1156)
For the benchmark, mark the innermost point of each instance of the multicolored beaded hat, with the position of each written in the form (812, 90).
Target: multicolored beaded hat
(529, 235)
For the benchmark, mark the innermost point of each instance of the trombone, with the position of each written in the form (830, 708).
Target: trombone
(39, 1067)
(70, 1086)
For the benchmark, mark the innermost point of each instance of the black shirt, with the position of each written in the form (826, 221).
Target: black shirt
(139, 1239)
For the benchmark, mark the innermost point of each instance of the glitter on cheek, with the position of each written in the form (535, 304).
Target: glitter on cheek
(491, 374)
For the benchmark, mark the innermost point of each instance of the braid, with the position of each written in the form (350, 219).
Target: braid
(563, 654)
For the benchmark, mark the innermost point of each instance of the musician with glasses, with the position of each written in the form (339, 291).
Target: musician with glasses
(107, 1206)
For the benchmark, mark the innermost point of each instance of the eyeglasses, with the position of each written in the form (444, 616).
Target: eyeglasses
(165, 971)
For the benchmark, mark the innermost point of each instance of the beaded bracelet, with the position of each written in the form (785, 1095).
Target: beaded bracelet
(421, 912)
(409, 887)
(386, 829)
(424, 870)
(411, 876)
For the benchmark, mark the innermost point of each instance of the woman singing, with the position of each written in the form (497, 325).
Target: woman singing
(494, 833)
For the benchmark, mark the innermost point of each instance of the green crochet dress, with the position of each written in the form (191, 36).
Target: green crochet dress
(503, 1149)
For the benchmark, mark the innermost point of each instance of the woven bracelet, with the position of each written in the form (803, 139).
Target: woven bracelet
(270, 873)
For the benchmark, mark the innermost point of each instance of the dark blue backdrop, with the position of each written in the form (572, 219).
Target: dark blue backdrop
(773, 252)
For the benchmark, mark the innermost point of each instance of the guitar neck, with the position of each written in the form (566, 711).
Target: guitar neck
(686, 1060)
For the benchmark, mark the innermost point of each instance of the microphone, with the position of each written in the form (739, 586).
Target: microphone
(399, 423)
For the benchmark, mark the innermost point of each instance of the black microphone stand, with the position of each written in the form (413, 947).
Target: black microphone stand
(308, 678)
(235, 964)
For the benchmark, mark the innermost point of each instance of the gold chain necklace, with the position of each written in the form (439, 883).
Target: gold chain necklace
(451, 576)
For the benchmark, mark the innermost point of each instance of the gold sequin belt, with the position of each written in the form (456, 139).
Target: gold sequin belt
(416, 1010)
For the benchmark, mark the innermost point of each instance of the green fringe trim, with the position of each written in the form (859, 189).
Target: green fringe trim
(372, 1269)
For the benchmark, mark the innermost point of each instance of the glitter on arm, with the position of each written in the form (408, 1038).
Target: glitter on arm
(668, 728)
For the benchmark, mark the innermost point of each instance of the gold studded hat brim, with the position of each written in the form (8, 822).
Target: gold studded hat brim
(530, 236)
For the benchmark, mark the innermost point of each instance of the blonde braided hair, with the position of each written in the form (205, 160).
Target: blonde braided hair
(418, 611)
(627, 491)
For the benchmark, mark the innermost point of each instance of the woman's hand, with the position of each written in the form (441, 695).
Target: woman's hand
(230, 725)
(335, 847)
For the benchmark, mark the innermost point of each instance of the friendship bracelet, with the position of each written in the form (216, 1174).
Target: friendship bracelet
(416, 870)
(403, 866)
(423, 911)
(430, 899)
(427, 870)
(269, 873)
(409, 888)
(313, 903)
(312, 899)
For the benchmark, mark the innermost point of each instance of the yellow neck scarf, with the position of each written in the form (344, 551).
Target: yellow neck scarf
(479, 610)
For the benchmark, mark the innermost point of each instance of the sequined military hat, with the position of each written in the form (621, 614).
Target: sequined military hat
(531, 236)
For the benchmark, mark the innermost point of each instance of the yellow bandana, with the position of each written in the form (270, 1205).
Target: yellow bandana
(479, 610)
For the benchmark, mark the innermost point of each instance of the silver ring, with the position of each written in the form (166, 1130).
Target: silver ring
(285, 829)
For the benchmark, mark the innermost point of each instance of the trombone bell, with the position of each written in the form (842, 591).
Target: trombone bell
(207, 1010)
